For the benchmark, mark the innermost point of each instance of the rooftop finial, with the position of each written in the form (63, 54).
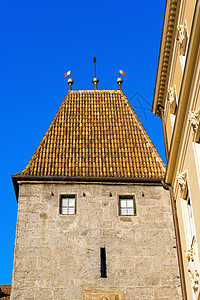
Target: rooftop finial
(119, 81)
(94, 61)
(95, 80)
(70, 81)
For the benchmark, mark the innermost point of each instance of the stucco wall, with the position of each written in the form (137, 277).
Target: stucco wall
(58, 256)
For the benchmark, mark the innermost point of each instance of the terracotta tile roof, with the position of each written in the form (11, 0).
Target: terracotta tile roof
(96, 134)
(5, 291)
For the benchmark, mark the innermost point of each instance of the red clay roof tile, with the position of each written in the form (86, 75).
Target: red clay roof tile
(5, 291)
(96, 134)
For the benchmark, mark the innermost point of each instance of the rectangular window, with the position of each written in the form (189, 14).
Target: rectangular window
(196, 147)
(190, 219)
(68, 205)
(103, 262)
(127, 206)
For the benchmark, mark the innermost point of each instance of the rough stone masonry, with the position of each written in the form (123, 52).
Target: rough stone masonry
(58, 256)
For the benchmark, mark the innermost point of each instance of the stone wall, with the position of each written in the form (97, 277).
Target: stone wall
(58, 256)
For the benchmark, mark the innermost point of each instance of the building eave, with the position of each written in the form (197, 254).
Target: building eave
(165, 54)
(17, 178)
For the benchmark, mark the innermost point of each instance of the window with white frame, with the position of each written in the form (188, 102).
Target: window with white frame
(197, 137)
(68, 205)
(127, 205)
(196, 147)
(190, 220)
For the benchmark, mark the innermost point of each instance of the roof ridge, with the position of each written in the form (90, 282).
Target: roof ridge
(95, 91)
(144, 132)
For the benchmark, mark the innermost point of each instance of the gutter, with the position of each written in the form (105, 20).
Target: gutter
(178, 242)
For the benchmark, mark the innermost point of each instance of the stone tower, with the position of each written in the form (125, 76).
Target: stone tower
(94, 221)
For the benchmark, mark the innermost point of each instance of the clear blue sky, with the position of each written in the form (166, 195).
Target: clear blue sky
(40, 41)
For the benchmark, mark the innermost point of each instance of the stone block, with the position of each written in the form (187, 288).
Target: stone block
(166, 291)
(58, 293)
(44, 294)
(72, 293)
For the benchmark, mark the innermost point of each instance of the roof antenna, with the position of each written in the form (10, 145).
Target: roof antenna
(95, 80)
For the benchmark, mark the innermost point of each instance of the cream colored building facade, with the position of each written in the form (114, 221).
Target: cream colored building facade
(177, 102)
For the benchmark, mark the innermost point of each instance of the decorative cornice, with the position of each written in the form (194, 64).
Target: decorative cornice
(181, 179)
(181, 33)
(194, 118)
(192, 268)
(171, 95)
(190, 254)
(169, 28)
(182, 38)
(103, 295)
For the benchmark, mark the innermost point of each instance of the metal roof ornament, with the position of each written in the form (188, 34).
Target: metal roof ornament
(119, 81)
(95, 80)
(70, 81)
